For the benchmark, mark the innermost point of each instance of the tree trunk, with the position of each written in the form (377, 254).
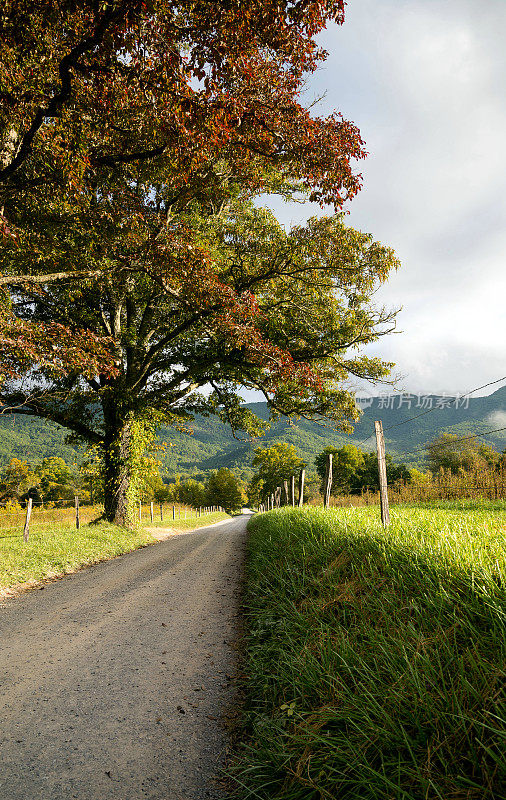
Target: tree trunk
(117, 471)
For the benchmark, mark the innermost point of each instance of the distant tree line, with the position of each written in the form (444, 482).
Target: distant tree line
(52, 481)
(353, 470)
(455, 465)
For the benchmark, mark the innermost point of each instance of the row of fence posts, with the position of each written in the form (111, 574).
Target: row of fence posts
(274, 499)
(198, 513)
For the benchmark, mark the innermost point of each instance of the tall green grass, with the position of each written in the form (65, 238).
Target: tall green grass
(58, 549)
(375, 663)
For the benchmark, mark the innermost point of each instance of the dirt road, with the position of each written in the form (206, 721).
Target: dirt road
(113, 679)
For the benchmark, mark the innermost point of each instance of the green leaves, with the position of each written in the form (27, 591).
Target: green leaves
(275, 465)
(225, 490)
(135, 138)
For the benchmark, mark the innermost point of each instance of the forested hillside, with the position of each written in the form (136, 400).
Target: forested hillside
(211, 444)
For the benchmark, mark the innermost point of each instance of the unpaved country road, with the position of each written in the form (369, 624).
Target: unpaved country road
(113, 679)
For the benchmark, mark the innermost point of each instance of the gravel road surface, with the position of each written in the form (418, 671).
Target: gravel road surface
(114, 680)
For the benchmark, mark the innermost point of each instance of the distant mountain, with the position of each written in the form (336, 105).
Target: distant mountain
(212, 444)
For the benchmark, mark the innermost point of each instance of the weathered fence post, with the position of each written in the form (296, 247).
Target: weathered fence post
(287, 498)
(26, 530)
(140, 512)
(76, 503)
(151, 510)
(292, 489)
(382, 470)
(301, 487)
(328, 481)
(173, 512)
(161, 512)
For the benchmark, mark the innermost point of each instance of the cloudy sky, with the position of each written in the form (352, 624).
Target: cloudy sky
(425, 81)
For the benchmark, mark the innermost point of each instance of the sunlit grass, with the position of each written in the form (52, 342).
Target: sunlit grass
(191, 521)
(58, 549)
(12, 516)
(55, 547)
(376, 660)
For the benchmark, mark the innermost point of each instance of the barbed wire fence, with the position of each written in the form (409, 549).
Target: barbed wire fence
(489, 486)
(295, 497)
(32, 512)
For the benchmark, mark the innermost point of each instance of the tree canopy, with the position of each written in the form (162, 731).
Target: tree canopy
(225, 490)
(137, 266)
(346, 462)
(274, 465)
(353, 470)
(451, 452)
(94, 92)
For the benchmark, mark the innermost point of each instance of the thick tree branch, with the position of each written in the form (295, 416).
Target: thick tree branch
(12, 280)
(110, 16)
(38, 410)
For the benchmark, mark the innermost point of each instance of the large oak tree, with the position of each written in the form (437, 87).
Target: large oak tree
(135, 137)
(87, 86)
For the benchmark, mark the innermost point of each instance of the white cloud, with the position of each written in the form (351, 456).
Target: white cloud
(497, 418)
(425, 82)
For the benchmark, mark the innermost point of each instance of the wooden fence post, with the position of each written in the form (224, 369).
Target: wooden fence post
(140, 512)
(173, 512)
(301, 487)
(76, 502)
(382, 470)
(292, 489)
(151, 510)
(26, 530)
(287, 497)
(161, 512)
(328, 481)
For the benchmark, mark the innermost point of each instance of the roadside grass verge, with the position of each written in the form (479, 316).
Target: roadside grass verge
(188, 523)
(375, 661)
(58, 549)
(55, 549)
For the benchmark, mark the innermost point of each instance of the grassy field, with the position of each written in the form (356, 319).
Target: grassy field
(190, 522)
(375, 661)
(55, 547)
